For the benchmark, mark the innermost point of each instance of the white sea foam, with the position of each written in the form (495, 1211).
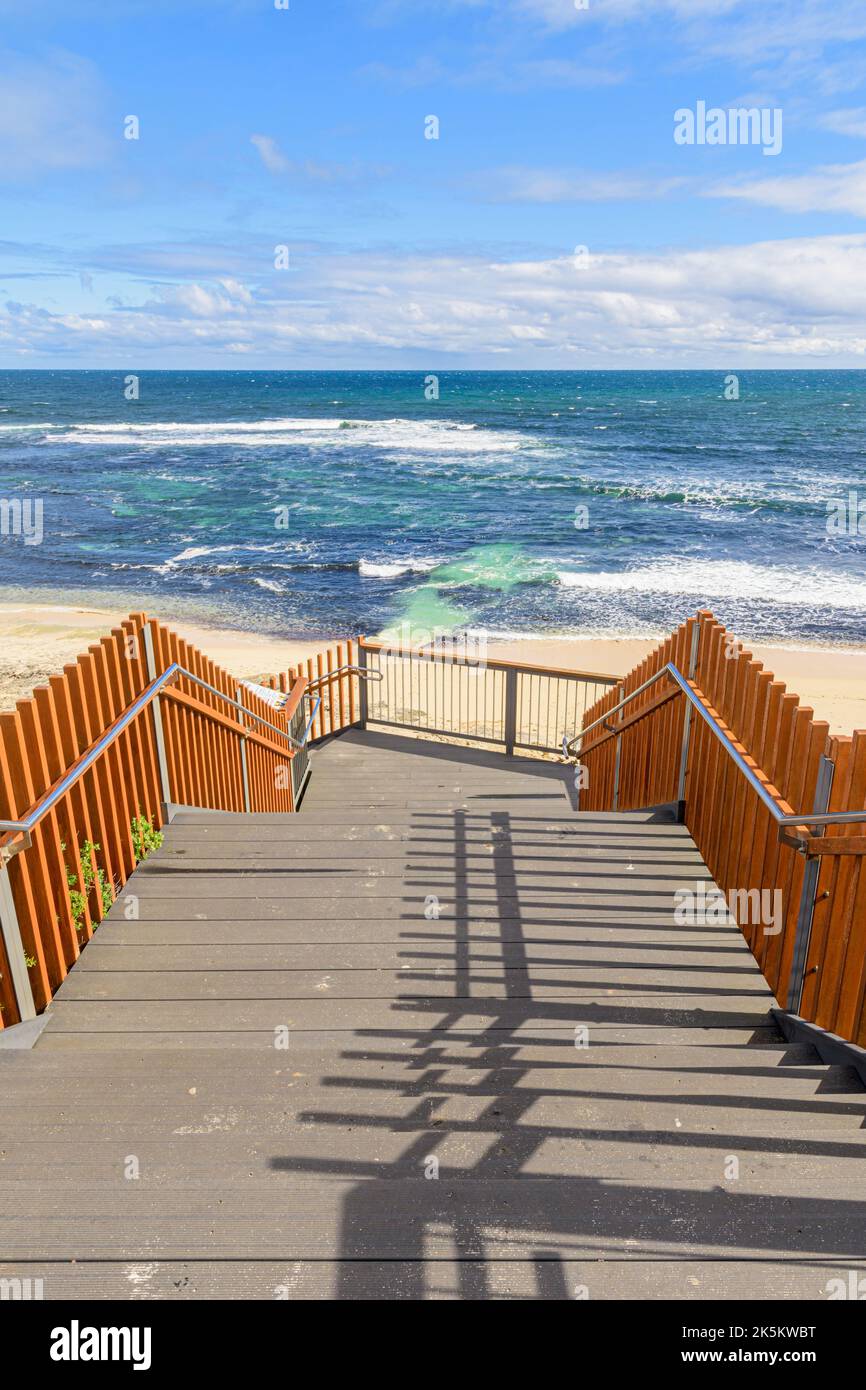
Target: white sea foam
(713, 579)
(409, 436)
(198, 552)
(195, 551)
(45, 425)
(392, 569)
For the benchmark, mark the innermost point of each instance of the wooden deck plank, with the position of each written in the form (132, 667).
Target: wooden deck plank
(415, 1013)
(258, 1039)
(339, 1219)
(331, 1075)
(770, 1057)
(639, 960)
(784, 1165)
(577, 885)
(490, 981)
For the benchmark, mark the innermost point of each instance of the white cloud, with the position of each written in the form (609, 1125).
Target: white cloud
(215, 302)
(519, 185)
(499, 72)
(563, 14)
(561, 72)
(52, 115)
(792, 43)
(831, 188)
(315, 171)
(271, 155)
(800, 300)
(850, 121)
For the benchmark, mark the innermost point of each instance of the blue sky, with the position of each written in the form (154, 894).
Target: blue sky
(305, 127)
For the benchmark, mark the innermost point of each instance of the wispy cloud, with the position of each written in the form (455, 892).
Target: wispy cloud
(503, 73)
(270, 153)
(851, 121)
(830, 188)
(519, 185)
(52, 115)
(316, 171)
(49, 11)
(789, 44)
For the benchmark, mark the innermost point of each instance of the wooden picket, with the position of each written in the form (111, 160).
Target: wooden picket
(783, 743)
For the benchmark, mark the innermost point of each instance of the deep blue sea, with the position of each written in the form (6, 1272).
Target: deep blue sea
(309, 503)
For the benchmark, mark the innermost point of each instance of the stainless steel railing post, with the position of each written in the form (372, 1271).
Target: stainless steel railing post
(158, 732)
(806, 913)
(15, 953)
(687, 724)
(510, 716)
(363, 703)
(244, 772)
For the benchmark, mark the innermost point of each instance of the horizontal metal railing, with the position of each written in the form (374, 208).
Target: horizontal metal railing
(477, 699)
(341, 672)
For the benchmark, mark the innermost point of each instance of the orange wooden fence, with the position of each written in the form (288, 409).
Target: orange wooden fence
(634, 760)
(83, 850)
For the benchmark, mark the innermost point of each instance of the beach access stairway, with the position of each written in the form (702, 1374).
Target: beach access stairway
(436, 1034)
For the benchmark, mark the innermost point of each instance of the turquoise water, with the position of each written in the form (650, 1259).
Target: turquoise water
(520, 503)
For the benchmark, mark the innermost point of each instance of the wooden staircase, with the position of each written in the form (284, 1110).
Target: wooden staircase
(437, 1035)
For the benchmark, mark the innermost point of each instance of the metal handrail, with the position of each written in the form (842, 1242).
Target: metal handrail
(236, 704)
(686, 687)
(490, 663)
(365, 671)
(302, 742)
(568, 751)
(170, 674)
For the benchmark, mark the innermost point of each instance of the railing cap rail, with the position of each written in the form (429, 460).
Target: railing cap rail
(495, 663)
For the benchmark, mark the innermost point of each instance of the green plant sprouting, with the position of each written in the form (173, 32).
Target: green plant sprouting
(144, 840)
(144, 837)
(92, 876)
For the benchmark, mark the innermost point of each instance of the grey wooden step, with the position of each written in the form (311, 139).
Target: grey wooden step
(405, 915)
(444, 982)
(132, 951)
(198, 1086)
(412, 1014)
(337, 1218)
(782, 1166)
(576, 885)
(24, 1072)
(670, 1050)
(394, 842)
(259, 1037)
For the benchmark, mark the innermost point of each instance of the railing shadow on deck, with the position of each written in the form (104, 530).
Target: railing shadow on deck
(593, 1217)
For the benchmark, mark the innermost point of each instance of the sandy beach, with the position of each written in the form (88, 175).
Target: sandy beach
(36, 641)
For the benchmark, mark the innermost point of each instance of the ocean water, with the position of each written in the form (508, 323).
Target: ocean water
(518, 503)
